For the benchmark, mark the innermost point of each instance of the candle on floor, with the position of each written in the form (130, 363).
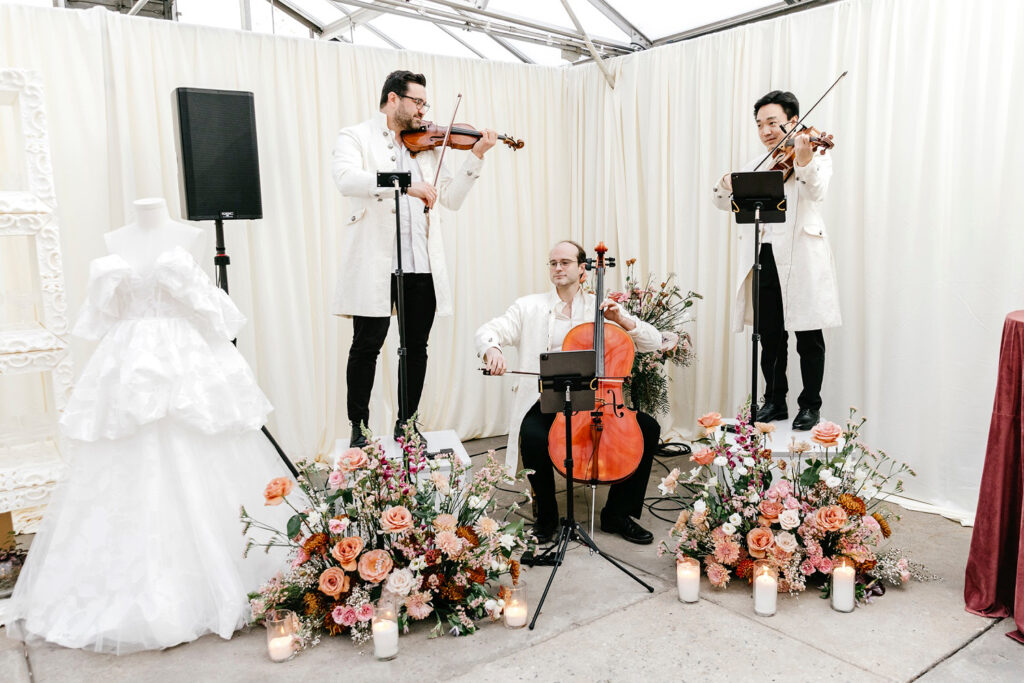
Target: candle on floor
(766, 589)
(385, 629)
(281, 643)
(516, 606)
(844, 582)
(688, 579)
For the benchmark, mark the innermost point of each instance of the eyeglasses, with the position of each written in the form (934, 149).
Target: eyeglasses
(420, 104)
(565, 263)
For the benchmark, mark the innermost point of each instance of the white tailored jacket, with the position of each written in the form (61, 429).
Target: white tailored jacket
(368, 238)
(807, 269)
(528, 325)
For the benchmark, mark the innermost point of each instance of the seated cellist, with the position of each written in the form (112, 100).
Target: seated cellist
(538, 323)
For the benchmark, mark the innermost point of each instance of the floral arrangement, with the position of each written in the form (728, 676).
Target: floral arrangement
(12, 558)
(419, 529)
(665, 307)
(827, 503)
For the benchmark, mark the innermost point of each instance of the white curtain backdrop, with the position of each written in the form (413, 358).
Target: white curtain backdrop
(919, 212)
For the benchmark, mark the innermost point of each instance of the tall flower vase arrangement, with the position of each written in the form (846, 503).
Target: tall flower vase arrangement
(803, 516)
(420, 532)
(663, 305)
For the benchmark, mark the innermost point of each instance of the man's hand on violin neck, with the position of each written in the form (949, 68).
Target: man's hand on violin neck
(424, 191)
(488, 138)
(495, 361)
(802, 150)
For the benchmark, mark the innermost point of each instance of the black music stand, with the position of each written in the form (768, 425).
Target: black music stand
(758, 198)
(399, 181)
(567, 386)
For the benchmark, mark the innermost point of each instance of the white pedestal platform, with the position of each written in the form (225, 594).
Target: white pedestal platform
(436, 441)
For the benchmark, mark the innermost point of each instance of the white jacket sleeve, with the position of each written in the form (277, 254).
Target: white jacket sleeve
(505, 330)
(348, 167)
(721, 197)
(645, 336)
(814, 177)
(452, 190)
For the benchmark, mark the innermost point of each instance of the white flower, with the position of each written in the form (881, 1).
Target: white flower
(742, 471)
(322, 508)
(401, 581)
(720, 461)
(418, 564)
(735, 518)
(824, 473)
(712, 482)
(476, 502)
(506, 541)
(694, 473)
(754, 497)
(700, 506)
(789, 519)
(786, 541)
(849, 465)
(494, 565)
(748, 461)
(869, 492)
(440, 481)
(833, 482)
(729, 528)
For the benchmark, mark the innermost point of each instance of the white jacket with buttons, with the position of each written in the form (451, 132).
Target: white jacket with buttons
(528, 325)
(368, 239)
(807, 269)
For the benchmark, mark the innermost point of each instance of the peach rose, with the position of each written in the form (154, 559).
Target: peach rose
(333, 582)
(830, 518)
(710, 421)
(375, 565)
(759, 541)
(277, 489)
(704, 457)
(771, 509)
(827, 434)
(396, 519)
(352, 459)
(346, 550)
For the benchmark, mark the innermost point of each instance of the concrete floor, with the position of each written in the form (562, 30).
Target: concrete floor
(598, 625)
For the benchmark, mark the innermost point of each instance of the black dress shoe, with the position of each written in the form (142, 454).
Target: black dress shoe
(400, 431)
(770, 411)
(544, 531)
(627, 528)
(357, 440)
(806, 419)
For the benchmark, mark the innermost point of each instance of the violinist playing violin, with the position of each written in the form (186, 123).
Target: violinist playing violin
(798, 290)
(538, 323)
(366, 289)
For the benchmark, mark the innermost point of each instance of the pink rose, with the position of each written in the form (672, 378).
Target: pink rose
(346, 550)
(337, 612)
(710, 420)
(333, 582)
(375, 565)
(618, 297)
(771, 509)
(336, 480)
(365, 612)
(276, 490)
(825, 565)
(704, 457)
(348, 616)
(904, 576)
(780, 489)
(352, 459)
(827, 434)
(337, 526)
(759, 540)
(300, 558)
(789, 519)
(830, 518)
(396, 519)
(792, 503)
(806, 567)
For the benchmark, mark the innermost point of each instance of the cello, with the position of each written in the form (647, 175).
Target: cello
(607, 443)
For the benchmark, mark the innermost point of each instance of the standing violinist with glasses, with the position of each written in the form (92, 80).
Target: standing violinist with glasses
(367, 286)
(539, 323)
(798, 291)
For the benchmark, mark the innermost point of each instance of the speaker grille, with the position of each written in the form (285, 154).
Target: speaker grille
(218, 154)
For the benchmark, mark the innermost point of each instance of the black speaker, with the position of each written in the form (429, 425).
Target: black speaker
(217, 154)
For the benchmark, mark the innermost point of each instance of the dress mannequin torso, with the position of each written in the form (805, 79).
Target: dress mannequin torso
(151, 234)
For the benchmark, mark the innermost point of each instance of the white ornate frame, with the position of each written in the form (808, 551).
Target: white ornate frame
(31, 464)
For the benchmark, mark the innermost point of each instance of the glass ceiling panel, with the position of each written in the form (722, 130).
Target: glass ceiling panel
(657, 18)
(322, 11)
(421, 36)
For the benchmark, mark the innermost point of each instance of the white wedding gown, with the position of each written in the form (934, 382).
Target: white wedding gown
(141, 546)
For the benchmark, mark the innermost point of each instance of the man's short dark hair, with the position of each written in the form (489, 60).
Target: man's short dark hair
(581, 253)
(784, 99)
(398, 83)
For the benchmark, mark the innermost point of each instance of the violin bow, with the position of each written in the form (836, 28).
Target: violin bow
(444, 146)
(799, 123)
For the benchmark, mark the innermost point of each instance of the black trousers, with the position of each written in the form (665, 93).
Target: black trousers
(368, 337)
(624, 499)
(810, 344)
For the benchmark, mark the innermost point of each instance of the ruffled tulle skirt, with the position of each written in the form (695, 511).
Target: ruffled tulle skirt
(141, 546)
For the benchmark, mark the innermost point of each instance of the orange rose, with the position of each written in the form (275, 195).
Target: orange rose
(396, 519)
(830, 518)
(827, 434)
(771, 509)
(277, 489)
(346, 550)
(333, 582)
(352, 459)
(375, 565)
(704, 457)
(759, 541)
(710, 421)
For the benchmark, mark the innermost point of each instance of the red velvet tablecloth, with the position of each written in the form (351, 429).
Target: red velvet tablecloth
(994, 584)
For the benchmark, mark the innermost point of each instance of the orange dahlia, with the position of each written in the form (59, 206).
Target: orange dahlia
(884, 525)
(469, 535)
(854, 505)
(317, 544)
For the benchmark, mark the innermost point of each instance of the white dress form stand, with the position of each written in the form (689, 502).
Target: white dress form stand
(152, 233)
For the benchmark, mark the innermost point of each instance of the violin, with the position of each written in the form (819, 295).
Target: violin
(784, 157)
(607, 444)
(457, 136)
